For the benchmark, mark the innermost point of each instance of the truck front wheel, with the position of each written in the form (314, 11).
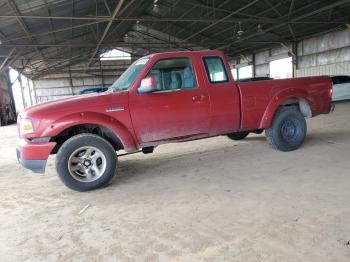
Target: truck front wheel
(288, 130)
(238, 135)
(86, 162)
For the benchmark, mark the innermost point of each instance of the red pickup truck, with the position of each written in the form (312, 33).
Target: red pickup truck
(163, 98)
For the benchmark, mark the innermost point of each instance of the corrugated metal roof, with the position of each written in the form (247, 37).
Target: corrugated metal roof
(53, 34)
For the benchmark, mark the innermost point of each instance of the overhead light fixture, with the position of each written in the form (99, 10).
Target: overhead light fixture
(260, 28)
(126, 37)
(138, 25)
(27, 70)
(155, 6)
(240, 31)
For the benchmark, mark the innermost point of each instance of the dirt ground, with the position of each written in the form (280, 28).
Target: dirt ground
(207, 200)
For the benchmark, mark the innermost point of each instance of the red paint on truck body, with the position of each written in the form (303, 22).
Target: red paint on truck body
(157, 118)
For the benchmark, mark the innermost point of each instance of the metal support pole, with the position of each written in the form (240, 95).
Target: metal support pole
(35, 95)
(9, 85)
(295, 58)
(254, 65)
(71, 81)
(30, 92)
(22, 93)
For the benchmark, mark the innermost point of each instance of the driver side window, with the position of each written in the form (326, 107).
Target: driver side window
(173, 74)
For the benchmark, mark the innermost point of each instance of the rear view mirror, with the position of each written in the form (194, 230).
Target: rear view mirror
(148, 85)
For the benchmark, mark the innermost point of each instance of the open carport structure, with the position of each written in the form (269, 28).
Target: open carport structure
(205, 200)
(50, 36)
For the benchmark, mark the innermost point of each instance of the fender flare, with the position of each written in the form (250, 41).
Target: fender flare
(278, 100)
(93, 118)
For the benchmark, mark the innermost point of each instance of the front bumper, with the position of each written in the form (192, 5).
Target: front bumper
(33, 155)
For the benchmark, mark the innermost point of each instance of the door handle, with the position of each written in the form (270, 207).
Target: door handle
(198, 98)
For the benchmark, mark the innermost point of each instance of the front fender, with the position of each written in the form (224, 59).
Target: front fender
(278, 100)
(71, 120)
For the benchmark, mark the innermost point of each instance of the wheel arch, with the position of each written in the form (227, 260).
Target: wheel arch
(296, 99)
(95, 123)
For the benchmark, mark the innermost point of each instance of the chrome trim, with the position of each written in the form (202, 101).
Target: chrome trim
(115, 109)
(167, 91)
(41, 139)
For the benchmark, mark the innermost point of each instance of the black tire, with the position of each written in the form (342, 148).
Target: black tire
(259, 131)
(238, 135)
(288, 130)
(67, 150)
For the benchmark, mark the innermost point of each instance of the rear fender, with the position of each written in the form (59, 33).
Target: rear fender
(279, 99)
(94, 118)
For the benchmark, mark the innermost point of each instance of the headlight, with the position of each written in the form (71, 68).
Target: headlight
(26, 126)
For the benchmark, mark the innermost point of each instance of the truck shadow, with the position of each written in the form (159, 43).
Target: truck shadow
(176, 163)
(333, 137)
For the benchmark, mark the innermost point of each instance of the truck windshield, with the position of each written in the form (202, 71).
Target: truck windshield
(126, 80)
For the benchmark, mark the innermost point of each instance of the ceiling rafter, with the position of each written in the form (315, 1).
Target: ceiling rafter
(72, 30)
(7, 58)
(157, 20)
(222, 19)
(25, 28)
(317, 11)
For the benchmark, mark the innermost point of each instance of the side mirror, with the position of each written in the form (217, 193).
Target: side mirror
(148, 85)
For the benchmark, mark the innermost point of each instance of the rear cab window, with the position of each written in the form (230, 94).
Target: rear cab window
(215, 69)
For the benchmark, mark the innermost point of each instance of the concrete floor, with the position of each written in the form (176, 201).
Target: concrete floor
(208, 200)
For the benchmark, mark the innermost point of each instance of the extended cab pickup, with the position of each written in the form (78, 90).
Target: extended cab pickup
(162, 98)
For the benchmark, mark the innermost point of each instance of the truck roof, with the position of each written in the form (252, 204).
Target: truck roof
(199, 52)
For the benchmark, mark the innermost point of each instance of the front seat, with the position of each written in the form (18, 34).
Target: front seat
(189, 81)
(176, 81)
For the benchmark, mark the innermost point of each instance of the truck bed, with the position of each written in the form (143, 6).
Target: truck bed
(260, 99)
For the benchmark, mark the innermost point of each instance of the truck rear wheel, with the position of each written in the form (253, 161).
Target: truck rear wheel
(288, 130)
(238, 135)
(86, 162)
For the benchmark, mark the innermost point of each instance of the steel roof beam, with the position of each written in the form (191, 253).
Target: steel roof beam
(15, 9)
(222, 19)
(309, 14)
(177, 34)
(115, 13)
(126, 44)
(260, 13)
(265, 20)
(2, 35)
(3, 64)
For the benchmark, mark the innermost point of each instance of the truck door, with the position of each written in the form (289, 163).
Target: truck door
(179, 109)
(224, 96)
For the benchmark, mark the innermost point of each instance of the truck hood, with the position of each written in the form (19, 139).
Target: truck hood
(79, 103)
(45, 116)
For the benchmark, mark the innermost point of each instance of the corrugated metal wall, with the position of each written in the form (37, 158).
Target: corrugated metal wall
(262, 67)
(6, 97)
(62, 85)
(332, 69)
(324, 55)
(4, 94)
(327, 54)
